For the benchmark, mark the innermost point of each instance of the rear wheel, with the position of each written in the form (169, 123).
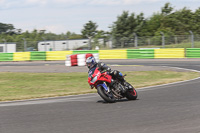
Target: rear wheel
(107, 96)
(131, 93)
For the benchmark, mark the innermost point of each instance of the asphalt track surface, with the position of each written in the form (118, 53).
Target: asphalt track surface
(173, 108)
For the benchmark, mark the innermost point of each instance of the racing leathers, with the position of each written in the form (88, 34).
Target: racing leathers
(114, 73)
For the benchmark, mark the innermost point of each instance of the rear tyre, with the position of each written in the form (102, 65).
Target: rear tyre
(107, 96)
(131, 93)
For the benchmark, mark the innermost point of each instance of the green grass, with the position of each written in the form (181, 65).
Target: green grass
(17, 86)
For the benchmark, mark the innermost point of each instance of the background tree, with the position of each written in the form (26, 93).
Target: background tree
(126, 25)
(167, 9)
(89, 31)
(72, 35)
(196, 21)
(6, 28)
(152, 24)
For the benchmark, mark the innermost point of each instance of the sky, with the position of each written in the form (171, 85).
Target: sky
(60, 16)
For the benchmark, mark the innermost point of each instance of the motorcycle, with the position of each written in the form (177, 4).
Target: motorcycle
(102, 80)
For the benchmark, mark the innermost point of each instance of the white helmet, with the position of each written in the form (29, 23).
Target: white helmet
(90, 62)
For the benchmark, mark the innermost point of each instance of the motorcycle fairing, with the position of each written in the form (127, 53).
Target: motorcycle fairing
(101, 77)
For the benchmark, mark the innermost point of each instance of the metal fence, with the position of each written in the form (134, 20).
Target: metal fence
(178, 41)
(181, 41)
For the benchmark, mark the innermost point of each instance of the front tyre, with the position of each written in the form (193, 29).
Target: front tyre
(107, 96)
(131, 93)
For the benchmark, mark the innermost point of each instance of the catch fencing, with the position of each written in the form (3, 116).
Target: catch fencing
(133, 42)
(177, 41)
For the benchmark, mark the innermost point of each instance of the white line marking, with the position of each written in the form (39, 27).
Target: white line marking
(184, 69)
(48, 98)
(44, 101)
(149, 87)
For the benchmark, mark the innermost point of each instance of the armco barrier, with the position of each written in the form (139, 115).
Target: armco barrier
(113, 54)
(85, 51)
(57, 55)
(193, 52)
(169, 53)
(6, 56)
(21, 56)
(38, 56)
(104, 54)
(140, 53)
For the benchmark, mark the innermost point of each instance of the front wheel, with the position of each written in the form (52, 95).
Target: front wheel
(107, 96)
(131, 93)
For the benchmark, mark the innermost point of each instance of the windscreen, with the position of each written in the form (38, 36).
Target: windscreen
(91, 72)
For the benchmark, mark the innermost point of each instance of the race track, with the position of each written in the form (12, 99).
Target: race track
(173, 108)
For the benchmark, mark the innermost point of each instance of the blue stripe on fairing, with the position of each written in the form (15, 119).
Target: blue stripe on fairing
(104, 86)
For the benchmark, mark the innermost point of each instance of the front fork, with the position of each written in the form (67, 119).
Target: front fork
(104, 85)
(108, 88)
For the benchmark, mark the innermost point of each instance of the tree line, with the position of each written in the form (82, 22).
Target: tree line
(168, 20)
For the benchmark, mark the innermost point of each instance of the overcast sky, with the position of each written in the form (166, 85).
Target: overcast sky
(60, 16)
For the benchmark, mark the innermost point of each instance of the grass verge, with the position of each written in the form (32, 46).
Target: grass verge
(18, 86)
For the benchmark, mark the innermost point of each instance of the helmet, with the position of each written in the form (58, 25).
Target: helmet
(90, 62)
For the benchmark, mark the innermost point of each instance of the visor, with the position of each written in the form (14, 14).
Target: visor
(89, 65)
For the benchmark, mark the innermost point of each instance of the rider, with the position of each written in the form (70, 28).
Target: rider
(91, 63)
